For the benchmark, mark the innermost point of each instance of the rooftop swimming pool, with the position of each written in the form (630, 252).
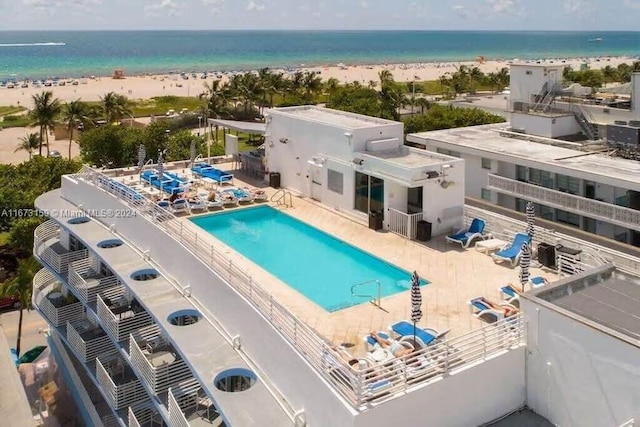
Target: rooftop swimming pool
(316, 264)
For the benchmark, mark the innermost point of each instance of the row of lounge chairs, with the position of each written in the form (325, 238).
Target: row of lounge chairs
(169, 183)
(204, 170)
(213, 200)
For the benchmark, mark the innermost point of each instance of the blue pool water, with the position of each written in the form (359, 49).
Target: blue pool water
(314, 263)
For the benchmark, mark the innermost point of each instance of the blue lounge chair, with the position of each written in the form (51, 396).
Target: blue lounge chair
(466, 236)
(243, 196)
(537, 281)
(405, 328)
(484, 311)
(175, 176)
(509, 295)
(512, 251)
(371, 344)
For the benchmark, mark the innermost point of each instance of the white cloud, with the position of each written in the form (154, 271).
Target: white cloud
(168, 7)
(579, 8)
(506, 6)
(214, 5)
(418, 9)
(631, 4)
(461, 11)
(48, 5)
(364, 4)
(252, 6)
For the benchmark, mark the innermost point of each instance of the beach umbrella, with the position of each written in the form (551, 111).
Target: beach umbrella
(142, 156)
(160, 169)
(525, 263)
(530, 212)
(192, 151)
(416, 302)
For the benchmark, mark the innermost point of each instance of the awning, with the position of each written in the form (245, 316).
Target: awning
(255, 128)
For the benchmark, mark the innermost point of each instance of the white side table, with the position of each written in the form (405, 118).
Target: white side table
(490, 245)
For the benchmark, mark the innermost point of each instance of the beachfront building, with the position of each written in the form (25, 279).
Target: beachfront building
(359, 165)
(549, 155)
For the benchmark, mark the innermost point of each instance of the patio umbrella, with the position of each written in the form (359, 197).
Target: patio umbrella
(530, 212)
(192, 151)
(160, 169)
(142, 156)
(525, 263)
(416, 302)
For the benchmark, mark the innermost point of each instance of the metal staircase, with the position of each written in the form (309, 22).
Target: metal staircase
(584, 120)
(547, 95)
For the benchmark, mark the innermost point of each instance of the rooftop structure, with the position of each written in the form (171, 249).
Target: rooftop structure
(333, 118)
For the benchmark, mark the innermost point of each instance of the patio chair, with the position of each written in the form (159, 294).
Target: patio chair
(181, 205)
(489, 312)
(538, 281)
(466, 236)
(513, 250)
(427, 336)
(510, 295)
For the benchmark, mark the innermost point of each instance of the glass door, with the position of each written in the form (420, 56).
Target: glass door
(369, 194)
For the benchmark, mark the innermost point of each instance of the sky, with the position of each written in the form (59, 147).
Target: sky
(566, 15)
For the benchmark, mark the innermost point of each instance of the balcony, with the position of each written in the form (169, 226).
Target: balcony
(144, 415)
(48, 248)
(118, 382)
(50, 299)
(607, 212)
(120, 314)
(85, 278)
(190, 406)
(156, 359)
(88, 340)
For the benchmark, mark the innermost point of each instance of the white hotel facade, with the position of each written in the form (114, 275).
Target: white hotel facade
(157, 326)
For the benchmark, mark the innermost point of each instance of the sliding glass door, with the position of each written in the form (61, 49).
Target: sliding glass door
(369, 193)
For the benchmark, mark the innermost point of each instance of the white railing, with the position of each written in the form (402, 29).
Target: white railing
(43, 284)
(88, 348)
(126, 320)
(404, 224)
(618, 215)
(176, 417)
(133, 420)
(434, 361)
(159, 378)
(591, 253)
(58, 261)
(309, 344)
(85, 279)
(143, 414)
(119, 395)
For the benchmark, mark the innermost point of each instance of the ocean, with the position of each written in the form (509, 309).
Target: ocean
(45, 54)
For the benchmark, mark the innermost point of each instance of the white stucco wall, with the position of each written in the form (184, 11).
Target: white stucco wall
(439, 203)
(548, 127)
(523, 85)
(577, 375)
(471, 397)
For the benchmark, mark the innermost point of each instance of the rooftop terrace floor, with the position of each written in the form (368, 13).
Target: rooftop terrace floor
(455, 276)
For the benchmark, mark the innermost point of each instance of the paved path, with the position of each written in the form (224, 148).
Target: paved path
(33, 326)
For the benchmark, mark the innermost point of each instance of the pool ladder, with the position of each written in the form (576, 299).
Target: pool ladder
(375, 300)
(283, 198)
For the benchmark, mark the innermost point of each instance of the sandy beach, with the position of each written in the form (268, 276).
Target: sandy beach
(144, 87)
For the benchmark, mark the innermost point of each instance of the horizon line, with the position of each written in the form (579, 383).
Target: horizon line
(318, 30)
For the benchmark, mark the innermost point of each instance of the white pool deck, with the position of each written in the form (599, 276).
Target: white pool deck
(455, 275)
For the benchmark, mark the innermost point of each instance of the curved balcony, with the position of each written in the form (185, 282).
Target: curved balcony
(144, 415)
(89, 340)
(85, 278)
(122, 388)
(156, 359)
(50, 300)
(47, 247)
(189, 405)
(121, 314)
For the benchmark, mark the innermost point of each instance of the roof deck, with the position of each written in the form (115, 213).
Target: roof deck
(332, 117)
(488, 139)
(455, 276)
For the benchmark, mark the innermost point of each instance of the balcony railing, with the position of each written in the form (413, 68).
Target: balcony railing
(85, 279)
(308, 343)
(617, 215)
(157, 361)
(120, 315)
(404, 224)
(119, 383)
(144, 415)
(188, 402)
(88, 340)
(48, 248)
(51, 302)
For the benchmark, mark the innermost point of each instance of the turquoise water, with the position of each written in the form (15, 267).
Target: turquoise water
(41, 54)
(314, 263)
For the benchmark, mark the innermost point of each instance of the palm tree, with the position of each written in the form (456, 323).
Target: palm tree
(423, 103)
(390, 96)
(72, 113)
(45, 111)
(332, 85)
(609, 73)
(20, 286)
(115, 106)
(476, 76)
(311, 84)
(29, 143)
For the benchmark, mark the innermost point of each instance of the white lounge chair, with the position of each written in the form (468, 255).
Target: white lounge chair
(484, 311)
(181, 205)
(198, 203)
(258, 194)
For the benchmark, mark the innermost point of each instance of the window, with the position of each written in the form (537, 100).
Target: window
(75, 244)
(448, 152)
(335, 181)
(104, 270)
(540, 177)
(486, 194)
(568, 184)
(528, 73)
(486, 163)
(521, 173)
(568, 218)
